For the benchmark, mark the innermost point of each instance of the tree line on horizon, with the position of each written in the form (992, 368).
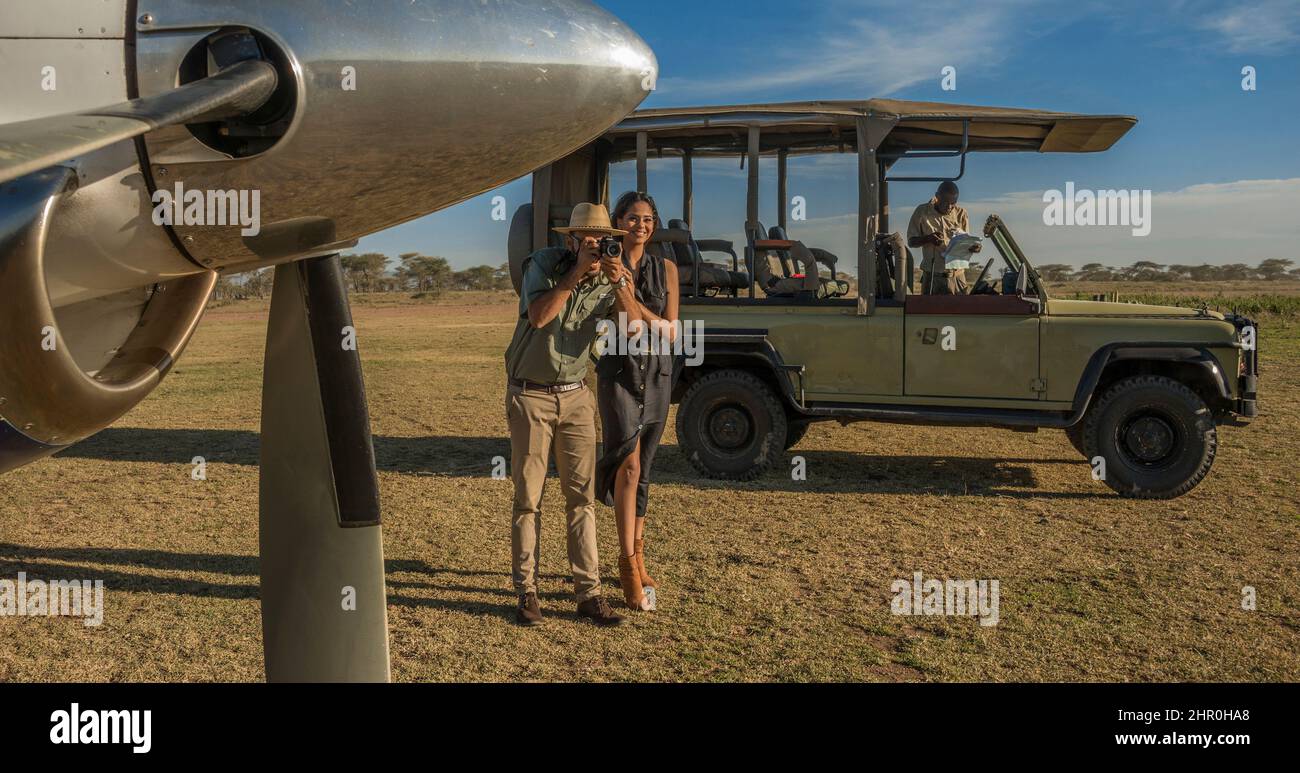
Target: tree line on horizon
(1270, 270)
(424, 276)
(429, 276)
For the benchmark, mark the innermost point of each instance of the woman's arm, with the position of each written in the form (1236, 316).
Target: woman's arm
(625, 300)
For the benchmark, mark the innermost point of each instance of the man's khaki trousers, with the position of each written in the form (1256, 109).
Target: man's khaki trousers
(566, 423)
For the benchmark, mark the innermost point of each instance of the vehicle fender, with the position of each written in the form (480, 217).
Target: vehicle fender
(749, 349)
(1197, 355)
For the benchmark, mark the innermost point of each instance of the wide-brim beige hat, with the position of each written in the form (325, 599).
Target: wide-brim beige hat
(590, 218)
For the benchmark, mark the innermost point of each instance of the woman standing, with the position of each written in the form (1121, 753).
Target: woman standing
(635, 385)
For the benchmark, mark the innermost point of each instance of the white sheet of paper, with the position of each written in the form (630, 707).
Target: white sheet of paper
(959, 250)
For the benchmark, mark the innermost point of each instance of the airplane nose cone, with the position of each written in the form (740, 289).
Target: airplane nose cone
(531, 82)
(404, 107)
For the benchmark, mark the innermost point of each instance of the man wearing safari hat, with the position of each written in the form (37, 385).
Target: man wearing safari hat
(564, 294)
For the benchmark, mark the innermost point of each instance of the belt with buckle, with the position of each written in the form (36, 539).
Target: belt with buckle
(549, 389)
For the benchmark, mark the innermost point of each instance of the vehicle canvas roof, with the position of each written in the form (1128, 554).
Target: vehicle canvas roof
(919, 126)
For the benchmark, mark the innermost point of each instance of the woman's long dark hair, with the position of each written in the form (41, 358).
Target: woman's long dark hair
(627, 200)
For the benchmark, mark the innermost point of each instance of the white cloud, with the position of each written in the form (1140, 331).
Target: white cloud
(1259, 27)
(1237, 222)
(886, 48)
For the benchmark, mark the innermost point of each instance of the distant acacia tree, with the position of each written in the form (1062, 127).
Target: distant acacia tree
(476, 278)
(427, 275)
(1275, 268)
(501, 278)
(1236, 271)
(365, 272)
(1056, 272)
(257, 284)
(1095, 272)
(1144, 271)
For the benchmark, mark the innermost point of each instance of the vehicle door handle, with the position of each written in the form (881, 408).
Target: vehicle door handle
(929, 336)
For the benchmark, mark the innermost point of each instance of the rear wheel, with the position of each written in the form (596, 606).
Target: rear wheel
(731, 426)
(1156, 436)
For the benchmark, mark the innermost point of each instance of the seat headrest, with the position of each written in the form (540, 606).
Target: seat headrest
(670, 236)
(679, 225)
(777, 232)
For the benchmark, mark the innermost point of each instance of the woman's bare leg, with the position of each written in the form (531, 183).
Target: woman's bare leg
(625, 486)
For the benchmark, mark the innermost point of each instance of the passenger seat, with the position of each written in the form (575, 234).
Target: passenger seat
(831, 288)
(688, 254)
(786, 268)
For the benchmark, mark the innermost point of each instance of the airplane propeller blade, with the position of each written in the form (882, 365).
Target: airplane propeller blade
(324, 613)
(29, 146)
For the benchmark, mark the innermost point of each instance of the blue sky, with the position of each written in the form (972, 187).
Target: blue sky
(1222, 162)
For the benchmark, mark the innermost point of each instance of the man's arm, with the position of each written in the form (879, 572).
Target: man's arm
(915, 238)
(546, 296)
(546, 304)
(921, 241)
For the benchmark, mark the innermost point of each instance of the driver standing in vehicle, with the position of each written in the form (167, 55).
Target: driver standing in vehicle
(933, 225)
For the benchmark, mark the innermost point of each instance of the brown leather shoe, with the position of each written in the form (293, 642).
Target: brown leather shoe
(529, 611)
(599, 612)
(646, 580)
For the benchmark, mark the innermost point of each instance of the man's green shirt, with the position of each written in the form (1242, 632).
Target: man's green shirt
(557, 353)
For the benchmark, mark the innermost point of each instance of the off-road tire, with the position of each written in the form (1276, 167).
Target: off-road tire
(1157, 436)
(795, 429)
(731, 426)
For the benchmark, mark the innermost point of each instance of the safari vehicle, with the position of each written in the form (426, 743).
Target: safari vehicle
(1143, 388)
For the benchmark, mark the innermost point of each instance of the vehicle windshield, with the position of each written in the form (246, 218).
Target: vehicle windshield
(1004, 249)
(1004, 276)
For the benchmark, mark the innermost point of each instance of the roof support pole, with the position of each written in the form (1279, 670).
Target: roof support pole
(782, 186)
(688, 191)
(642, 150)
(751, 207)
(868, 173)
(871, 131)
(884, 197)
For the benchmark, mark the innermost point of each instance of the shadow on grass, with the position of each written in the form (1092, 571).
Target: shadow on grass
(462, 456)
(471, 457)
(45, 563)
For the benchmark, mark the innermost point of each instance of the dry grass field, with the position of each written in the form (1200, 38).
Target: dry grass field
(771, 580)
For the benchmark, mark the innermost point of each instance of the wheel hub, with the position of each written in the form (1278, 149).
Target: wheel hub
(1149, 438)
(730, 427)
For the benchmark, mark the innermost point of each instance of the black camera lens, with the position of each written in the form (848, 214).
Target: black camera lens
(611, 247)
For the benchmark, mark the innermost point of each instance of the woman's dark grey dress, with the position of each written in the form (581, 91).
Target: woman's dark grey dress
(633, 393)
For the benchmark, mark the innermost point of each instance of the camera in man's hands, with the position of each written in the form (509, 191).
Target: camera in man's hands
(610, 247)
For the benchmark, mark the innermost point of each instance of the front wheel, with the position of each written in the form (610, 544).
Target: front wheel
(731, 426)
(1156, 436)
